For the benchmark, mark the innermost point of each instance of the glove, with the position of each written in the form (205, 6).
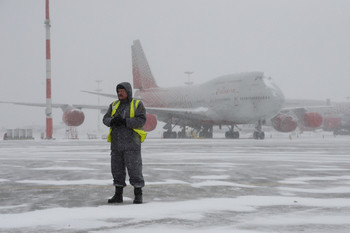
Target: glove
(121, 121)
(117, 121)
(113, 121)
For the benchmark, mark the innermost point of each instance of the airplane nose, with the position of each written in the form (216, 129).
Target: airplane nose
(279, 97)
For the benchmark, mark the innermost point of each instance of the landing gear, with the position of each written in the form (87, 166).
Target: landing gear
(182, 133)
(169, 133)
(258, 133)
(231, 133)
(203, 132)
(206, 132)
(72, 132)
(198, 131)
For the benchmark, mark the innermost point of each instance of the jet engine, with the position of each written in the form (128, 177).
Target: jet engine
(312, 119)
(331, 123)
(151, 122)
(284, 123)
(73, 117)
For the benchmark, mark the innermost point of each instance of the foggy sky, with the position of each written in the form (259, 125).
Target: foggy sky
(302, 44)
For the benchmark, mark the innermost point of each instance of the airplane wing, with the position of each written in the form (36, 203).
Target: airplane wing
(194, 118)
(297, 110)
(101, 94)
(301, 103)
(89, 106)
(309, 115)
(197, 113)
(164, 113)
(298, 106)
(34, 104)
(64, 107)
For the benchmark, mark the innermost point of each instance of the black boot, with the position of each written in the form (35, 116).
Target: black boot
(118, 196)
(138, 196)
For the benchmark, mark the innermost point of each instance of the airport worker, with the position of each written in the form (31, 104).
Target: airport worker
(126, 117)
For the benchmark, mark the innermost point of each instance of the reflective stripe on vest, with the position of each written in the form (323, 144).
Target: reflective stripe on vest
(115, 106)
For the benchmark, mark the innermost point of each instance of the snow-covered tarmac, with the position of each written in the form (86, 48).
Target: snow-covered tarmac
(218, 185)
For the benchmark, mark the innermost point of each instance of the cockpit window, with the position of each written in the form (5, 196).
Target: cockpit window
(258, 78)
(269, 82)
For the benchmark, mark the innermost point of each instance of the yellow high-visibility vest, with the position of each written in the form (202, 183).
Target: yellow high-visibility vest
(115, 105)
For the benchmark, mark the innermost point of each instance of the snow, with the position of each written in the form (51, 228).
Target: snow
(62, 168)
(192, 185)
(66, 182)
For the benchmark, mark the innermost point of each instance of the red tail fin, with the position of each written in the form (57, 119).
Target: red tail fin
(142, 75)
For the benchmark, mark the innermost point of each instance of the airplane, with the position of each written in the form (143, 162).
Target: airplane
(243, 98)
(72, 114)
(336, 117)
(309, 115)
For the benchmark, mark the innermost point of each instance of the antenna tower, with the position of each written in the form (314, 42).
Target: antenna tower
(189, 82)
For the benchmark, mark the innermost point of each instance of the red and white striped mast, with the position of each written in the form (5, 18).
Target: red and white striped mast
(48, 76)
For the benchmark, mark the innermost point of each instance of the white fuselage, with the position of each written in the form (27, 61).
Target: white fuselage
(237, 98)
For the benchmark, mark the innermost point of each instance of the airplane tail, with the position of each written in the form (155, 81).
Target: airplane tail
(142, 75)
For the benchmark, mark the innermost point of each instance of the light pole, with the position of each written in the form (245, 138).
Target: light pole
(189, 82)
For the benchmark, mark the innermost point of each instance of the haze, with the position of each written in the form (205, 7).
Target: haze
(302, 45)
